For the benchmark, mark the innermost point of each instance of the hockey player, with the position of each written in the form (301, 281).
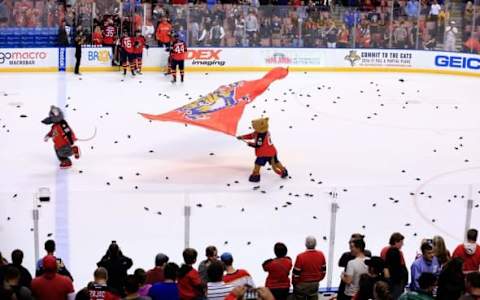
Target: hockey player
(63, 137)
(127, 56)
(110, 37)
(139, 44)
(178, 54)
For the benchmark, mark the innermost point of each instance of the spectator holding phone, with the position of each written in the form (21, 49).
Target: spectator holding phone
(61, 268)
(117, 265)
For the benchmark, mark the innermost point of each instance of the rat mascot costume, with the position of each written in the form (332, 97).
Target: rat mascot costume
(63, 137)
(264, 150)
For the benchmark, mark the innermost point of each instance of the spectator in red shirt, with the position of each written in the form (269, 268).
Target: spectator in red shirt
(190, 284)
(51, 285)
(469, 252)
(97, 36)
(395, 269)
(309, 270)
(156, 275)
(278, 279)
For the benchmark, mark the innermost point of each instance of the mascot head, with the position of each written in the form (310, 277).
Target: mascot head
(54, 116)
(260, 125)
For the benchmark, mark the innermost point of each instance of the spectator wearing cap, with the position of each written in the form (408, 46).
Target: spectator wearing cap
(427, 263)
(309, 269)
(367, 281)
(190, 284)
(117, 265)
(451, 281)
(426, 285)
(98, 288)
(10, 288)
(395, 268)
(236, 277)
(17, 259)
(355, 268)
(212, 255)
(132, 288)
(141, 277)
(168, 288)
(217, 289)
(345, 258)
(51, 285)
(50, 247)
(278, 268)
(472, 287)
(156, 274)
(469, 252)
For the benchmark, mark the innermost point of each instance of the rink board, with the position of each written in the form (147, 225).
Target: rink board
(251, 59)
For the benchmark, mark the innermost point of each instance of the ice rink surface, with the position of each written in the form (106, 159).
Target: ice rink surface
(402, 151)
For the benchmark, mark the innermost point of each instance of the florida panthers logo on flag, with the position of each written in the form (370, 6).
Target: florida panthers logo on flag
(222, 109)
(221, 98)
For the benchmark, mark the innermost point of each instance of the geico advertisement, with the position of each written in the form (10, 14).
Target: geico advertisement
(454, 61)
(24, 57)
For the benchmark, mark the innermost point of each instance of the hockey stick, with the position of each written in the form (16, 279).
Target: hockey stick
(90, 138)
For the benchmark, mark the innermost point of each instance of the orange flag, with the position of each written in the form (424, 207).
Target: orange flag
(222, 109)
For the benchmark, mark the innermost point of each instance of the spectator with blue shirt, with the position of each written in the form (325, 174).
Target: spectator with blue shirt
(412, 9)
(427, 263)
(167, 289)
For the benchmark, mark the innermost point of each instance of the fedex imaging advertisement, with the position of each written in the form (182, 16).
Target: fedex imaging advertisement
(17, 58)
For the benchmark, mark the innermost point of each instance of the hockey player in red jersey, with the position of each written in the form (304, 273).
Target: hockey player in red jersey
(63, 137)
(110, 37)
(139, 44)
(127, 55)
(265, 151)
(178, 52)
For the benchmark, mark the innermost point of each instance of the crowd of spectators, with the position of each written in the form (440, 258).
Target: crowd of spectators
(434, 274)
(411, 24)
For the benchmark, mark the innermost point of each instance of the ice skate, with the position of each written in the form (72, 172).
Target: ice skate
(76, 152)
(65, 164)
(254, 178)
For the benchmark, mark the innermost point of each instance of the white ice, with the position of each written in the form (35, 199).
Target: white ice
(414, 125)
